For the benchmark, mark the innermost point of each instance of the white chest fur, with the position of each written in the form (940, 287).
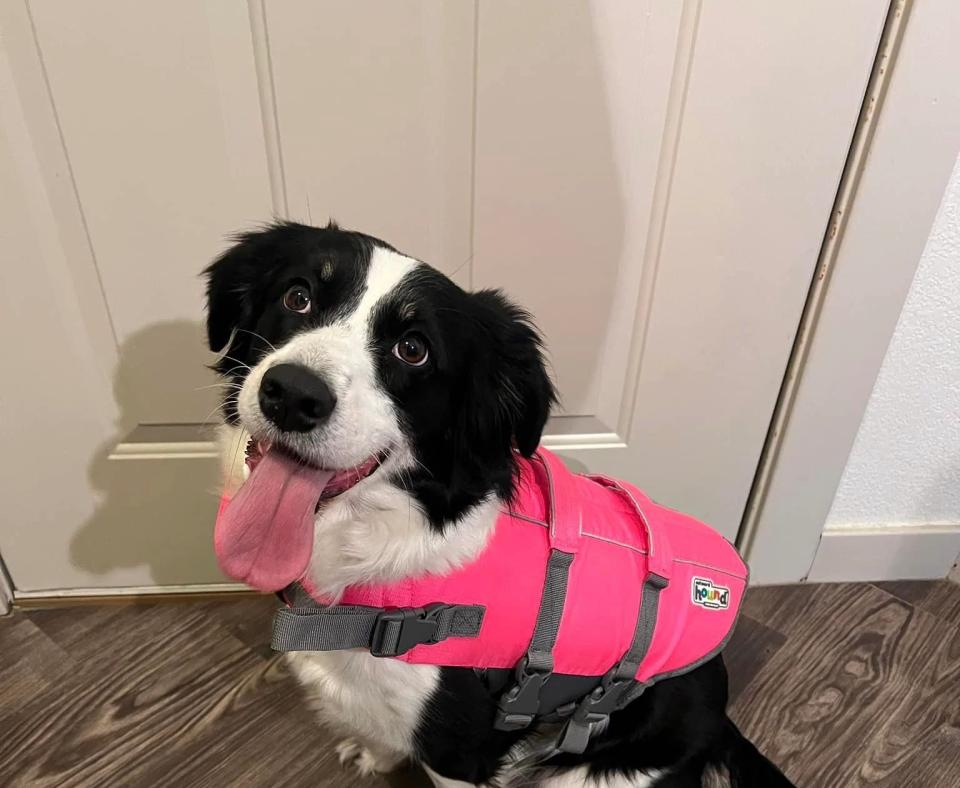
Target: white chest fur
(376, 533)
(378, 700)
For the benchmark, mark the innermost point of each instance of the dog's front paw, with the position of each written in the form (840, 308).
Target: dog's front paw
(353, 754)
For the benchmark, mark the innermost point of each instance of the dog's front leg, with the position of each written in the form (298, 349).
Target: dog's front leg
(375, 703)
(366, 757)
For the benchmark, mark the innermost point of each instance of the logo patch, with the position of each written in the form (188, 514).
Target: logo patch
(710, 596)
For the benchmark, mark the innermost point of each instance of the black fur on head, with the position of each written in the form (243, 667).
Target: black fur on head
(245, 319)
(483, 397)
(486, 395)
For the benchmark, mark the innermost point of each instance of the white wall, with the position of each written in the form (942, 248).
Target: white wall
(904, 468)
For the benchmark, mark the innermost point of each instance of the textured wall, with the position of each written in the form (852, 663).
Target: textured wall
(905, 465)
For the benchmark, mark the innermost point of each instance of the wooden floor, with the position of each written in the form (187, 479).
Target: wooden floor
(842, 685)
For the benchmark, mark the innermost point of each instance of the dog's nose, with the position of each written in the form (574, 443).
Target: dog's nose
(294, 398)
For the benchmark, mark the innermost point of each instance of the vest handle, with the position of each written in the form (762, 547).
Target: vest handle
(659, 555)
(564, 516)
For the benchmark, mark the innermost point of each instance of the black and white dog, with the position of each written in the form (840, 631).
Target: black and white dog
(428, 390)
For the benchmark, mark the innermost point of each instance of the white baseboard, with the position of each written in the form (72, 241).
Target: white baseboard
(109, 592)
(890, 553)
(954, 576)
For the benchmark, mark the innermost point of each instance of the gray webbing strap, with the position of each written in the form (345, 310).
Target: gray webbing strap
(540, 652)
(386, 632)
(628, 666)
(619, 686)
(520, 704)
(295, 595)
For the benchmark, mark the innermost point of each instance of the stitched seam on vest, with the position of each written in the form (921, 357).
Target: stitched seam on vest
(598, 537)
(712, 568)
(553, 501)
(517, 515)
(614, 541)
(553, 498)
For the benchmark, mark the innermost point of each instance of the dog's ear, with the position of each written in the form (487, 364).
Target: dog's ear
(231, 290)
(512, 393)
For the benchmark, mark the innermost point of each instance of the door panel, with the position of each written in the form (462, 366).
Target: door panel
(160, 115)
(132, 144)
(375, 120)
(571, 105)
(651, 179)
(759, 156)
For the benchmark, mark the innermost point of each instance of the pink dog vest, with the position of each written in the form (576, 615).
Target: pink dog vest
(583, 576)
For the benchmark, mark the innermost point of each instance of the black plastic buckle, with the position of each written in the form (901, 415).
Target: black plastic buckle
(519, 705)
(397, 631)
(592, 715)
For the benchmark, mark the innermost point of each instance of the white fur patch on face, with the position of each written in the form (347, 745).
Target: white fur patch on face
(364, 421)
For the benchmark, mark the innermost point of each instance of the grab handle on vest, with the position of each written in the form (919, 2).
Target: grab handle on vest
(564, 516)
(659, 555)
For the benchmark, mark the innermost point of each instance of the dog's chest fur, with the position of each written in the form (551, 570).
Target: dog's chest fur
(379, 537)
(379, 700)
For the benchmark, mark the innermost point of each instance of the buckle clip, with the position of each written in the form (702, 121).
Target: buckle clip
(397, 631)
(592, 715)
(520, 704)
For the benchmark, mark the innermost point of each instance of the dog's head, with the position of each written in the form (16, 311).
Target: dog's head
(356, 359)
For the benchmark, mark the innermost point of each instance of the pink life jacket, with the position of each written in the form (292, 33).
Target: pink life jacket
(583, 576)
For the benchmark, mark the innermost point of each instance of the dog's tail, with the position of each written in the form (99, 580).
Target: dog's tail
(748, 768)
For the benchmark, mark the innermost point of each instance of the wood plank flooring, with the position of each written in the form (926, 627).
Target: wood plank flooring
(842, 685)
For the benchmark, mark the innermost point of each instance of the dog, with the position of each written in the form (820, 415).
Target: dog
(416, 396)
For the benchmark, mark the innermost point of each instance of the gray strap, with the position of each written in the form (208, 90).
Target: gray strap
(385, 632)
(630, 663)
(619, 686)
(521, 703)
(636, 690)
(295, 595)
(540, 652)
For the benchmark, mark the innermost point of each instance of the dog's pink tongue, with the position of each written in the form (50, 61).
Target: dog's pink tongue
(264, 536)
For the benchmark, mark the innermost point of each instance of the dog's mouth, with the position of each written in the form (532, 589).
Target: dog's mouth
(264, 535)
(341, 481)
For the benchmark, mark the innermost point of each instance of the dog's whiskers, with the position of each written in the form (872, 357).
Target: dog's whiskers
(258, 336)
(225, 384)
(425, 468)
(232, 369)
(230, 398)
(243, 364)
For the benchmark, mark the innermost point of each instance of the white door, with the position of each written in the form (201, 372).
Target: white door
(651, 179)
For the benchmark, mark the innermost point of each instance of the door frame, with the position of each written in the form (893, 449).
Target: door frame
(901, 159)
(6, 589)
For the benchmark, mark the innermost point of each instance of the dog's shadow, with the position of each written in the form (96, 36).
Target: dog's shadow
(156, 508)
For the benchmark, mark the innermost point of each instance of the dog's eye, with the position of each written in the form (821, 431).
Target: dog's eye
(412, 349)
(297, 299)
